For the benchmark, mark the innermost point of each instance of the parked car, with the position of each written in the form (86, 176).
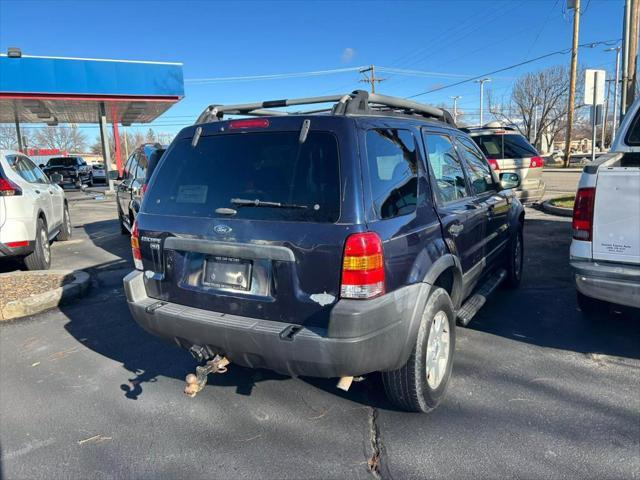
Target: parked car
(73, 170)
(605, 250)
(509, 151)
(33, 211)
(329, 245)
(98, 172)
(136, 173)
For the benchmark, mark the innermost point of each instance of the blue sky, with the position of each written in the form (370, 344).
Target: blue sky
(216, 39)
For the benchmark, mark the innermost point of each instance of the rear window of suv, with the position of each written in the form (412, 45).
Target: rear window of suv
(269, 167)
(504, 146)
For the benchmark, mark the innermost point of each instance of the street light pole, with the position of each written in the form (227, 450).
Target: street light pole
(615, 91)
(482, 82)
(455, 107)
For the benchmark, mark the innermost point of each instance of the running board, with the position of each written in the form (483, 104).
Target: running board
(477, 300)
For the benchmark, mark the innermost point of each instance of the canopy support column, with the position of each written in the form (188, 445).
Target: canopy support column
(106, 153)
(18, 133)
(116, 141)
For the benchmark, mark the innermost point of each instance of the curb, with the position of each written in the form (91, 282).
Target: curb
(561, 212)
(51, 299)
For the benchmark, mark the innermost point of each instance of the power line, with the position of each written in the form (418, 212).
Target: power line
(510, 67)
(273, 76)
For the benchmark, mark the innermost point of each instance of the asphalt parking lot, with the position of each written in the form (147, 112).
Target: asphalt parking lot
(537, 390)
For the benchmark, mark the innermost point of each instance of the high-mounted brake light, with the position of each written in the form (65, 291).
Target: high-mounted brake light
(582, 223)
(536, 162)
(362, 267)
(493, 163)
(249, 123)
(8, 188)
(135, 247)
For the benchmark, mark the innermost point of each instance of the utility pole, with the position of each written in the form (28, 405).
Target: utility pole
(126, 145)
(632, 53)
(572, 81)
(482, 82)
(371, 79)
(605, 113)
(614, 123)
(455, 107)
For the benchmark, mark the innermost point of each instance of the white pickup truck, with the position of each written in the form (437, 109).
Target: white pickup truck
(605, 251)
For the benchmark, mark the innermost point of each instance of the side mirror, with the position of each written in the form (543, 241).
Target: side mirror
(56, 178)
(42, 165)
(509, 180)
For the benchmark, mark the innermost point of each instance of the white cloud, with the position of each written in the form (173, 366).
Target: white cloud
(347, 55)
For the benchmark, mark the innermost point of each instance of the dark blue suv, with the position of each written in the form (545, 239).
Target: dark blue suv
(334, 243)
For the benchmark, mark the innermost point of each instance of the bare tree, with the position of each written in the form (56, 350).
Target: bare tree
(9, 138)
(134, 138)
(69, 139)
(537, 105)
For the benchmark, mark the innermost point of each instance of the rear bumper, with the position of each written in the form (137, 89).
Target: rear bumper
(607, 281)
(363, 336)
(16, 252)
(531, 195)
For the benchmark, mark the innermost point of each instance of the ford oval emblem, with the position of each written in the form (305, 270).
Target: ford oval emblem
(222, 229)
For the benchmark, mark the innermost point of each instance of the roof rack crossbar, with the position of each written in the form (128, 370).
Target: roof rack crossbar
(356, 102)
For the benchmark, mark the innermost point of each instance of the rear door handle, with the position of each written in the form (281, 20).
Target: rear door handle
(455, 229)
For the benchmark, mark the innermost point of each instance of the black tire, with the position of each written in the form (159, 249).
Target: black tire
(78, 183)
(410, 386)
(592, 308)
(65, 228)
(515, 260)
(90, 180)
(40, 258)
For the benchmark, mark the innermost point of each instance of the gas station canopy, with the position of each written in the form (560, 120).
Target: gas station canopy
(54, 90)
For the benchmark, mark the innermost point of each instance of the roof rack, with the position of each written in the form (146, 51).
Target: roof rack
(357, 102)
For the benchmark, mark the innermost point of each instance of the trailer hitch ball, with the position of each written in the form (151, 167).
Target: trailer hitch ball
(196, 382)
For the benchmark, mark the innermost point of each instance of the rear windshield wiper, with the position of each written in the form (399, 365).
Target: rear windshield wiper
(245, 202)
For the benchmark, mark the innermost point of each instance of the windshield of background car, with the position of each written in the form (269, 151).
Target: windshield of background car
(504, 146)
(270, 167)
(61, 162)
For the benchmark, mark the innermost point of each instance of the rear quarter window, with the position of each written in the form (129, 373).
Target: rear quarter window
(393, 171)
(270, 167)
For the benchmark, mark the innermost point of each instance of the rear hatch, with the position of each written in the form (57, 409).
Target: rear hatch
(512, 153)
(64, 166)
(277, 261)
(616, 220)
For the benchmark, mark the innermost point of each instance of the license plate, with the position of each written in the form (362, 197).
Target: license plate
(227, 272)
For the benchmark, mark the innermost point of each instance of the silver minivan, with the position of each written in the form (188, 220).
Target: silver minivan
(509, 151)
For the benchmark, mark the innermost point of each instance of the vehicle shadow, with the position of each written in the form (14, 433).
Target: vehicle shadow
(544, 310)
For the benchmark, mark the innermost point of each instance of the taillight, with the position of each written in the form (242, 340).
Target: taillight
(18, 244)
(8, 188)
(135, 247)
(536, 162)
(249, 123)
(362, 267)
(493, 163)
(143, 189)
(582, 224)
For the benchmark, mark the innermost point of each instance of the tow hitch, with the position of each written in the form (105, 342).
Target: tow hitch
(197, 381)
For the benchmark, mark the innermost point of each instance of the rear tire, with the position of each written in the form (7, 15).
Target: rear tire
(65, 229)
(515, 260)
(40, 258)
(420, 384)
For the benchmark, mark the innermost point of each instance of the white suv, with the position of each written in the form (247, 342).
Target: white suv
(33, 211)
(605, 251)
